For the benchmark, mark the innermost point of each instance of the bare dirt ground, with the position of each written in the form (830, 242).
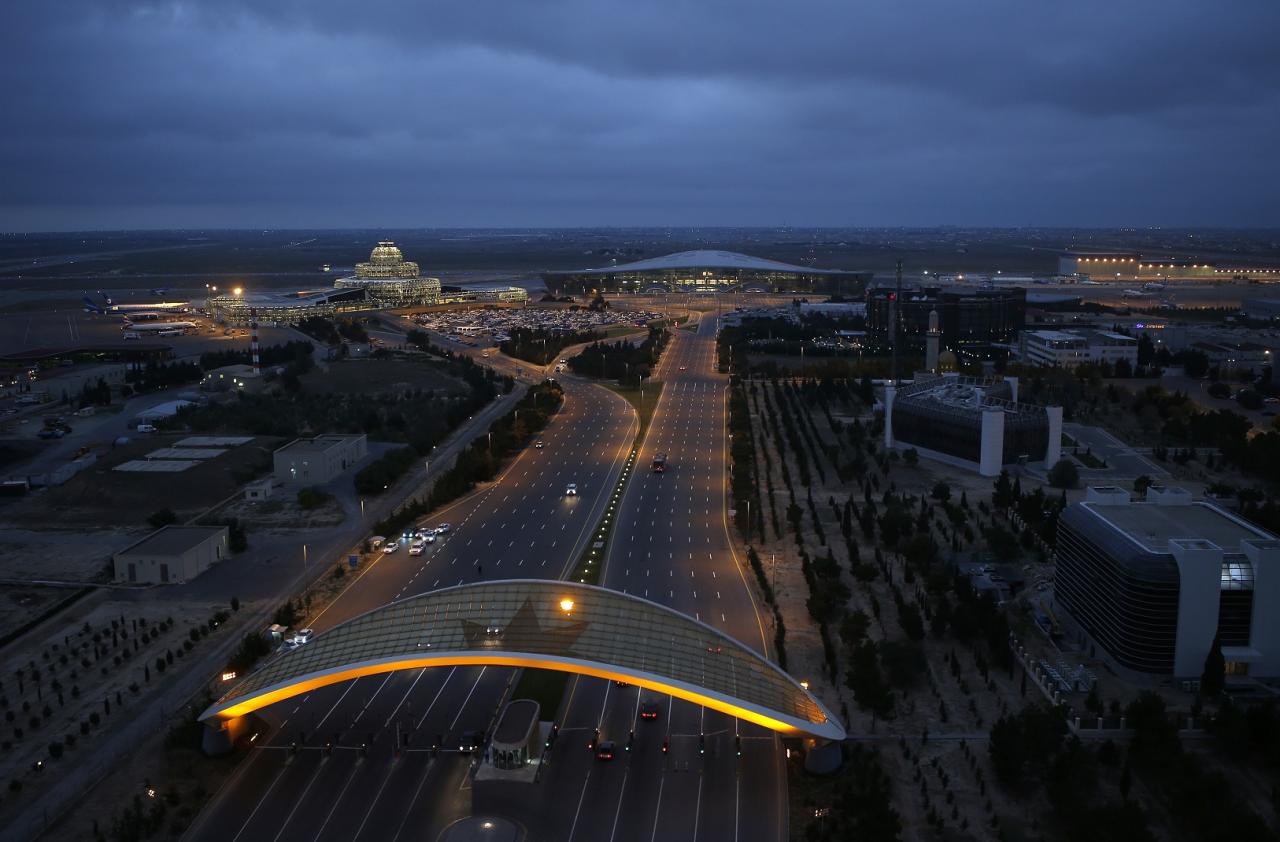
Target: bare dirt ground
(950, 702)
(281, 513)
(372, 377)
(100, 495)
(81, 673)
(20, 604)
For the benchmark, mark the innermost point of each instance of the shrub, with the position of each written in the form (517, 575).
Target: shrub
(1064, 474)
(162, 518)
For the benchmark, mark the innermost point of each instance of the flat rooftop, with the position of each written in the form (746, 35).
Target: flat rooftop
(1153, 526)
(319, 444)
(518, 719)
(173, 540)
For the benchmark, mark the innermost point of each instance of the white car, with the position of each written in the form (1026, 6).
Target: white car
(571, 490)
(443, 528)
(427, 536)
(288, 645)
(147, 428)
(391, 546)
(417, 548)
(302, 636)
(538, 444)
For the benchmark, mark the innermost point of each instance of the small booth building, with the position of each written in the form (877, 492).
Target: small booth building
(516, 739)
(172, 554)
(317, 460)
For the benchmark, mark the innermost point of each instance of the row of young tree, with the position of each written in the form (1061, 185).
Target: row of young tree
(623, 360)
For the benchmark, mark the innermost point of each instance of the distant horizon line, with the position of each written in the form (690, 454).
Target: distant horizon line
(938, 227)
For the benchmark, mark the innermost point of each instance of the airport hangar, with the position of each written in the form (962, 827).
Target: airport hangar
(707, 271)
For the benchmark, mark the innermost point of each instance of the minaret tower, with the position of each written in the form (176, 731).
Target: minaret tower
(931, 343)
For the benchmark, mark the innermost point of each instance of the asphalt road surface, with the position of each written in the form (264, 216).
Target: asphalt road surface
(670, 544)
(521, 526)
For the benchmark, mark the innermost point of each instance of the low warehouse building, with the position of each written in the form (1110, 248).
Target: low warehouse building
(318, 460)
(172, 554)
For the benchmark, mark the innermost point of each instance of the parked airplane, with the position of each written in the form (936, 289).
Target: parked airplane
(90, 307)
(1153, 287)
(1135, 293)
(161, 328)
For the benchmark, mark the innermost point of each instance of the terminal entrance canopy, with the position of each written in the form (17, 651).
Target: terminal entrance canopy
(543, 625)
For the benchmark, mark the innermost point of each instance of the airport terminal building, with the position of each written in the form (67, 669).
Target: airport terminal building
(1150, 585)
(707, 271)
(391, 281)
(385, 281)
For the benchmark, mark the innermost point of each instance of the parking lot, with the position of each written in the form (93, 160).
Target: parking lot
(497, 324)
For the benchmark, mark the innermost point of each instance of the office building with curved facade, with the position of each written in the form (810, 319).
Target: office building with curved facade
(1152, 584)
(972, 422)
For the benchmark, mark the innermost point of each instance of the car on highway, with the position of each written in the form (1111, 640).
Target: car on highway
(605, 750)
(302, 636)
(417, 547)
(649, 710)
(50, 434)
(148, 428)
(391, 546)
(538, 444)
(571, 490)
(288, 645)
(471, 741)
(684, 368)
(443, 529)
(427, 536)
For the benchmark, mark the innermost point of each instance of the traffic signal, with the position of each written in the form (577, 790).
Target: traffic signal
(328, 749)
(551, 735)
(666, 746)
(293, 747)
(404, 739)
(631, 738)
(737, 744)
(702, 744)
(595, 738)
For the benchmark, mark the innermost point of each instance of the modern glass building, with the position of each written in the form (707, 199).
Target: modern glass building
(967, 316)
(707, 271)
(390, 280)
(1153, 583)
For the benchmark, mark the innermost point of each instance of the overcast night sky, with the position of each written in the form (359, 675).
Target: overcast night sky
(317, 113)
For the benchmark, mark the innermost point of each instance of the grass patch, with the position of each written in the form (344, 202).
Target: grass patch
(644, 408)
(587, 569)
(546, 687)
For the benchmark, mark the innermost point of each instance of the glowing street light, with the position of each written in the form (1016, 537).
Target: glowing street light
(566, 605)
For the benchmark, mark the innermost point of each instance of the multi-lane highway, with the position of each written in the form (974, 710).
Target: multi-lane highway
(670, 544)
(521, 526)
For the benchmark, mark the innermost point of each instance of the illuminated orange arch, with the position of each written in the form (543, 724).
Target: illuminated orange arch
(543, 624)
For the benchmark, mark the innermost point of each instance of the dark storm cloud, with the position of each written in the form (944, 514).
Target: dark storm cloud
(313, 112)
